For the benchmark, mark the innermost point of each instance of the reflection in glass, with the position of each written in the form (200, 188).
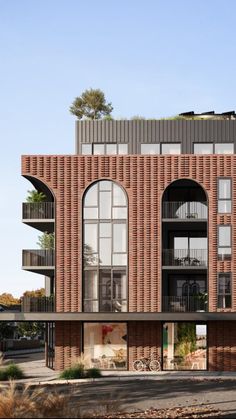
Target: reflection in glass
(105, 229)
(122, 148)
(91, 236)
(105, 251)
(111, 149)
(119, 198)
(91, 196)
(105, 345)
(150, 148)
(171, 148)
(91, 285)
(86, 148)
(224, 206)
(90, 213)
(224, 235)
(119, 213)
(203, 148)
(224, 148)
(98, 149)
(184, 346)
(105, 205)
(224, 188)
(119, 238)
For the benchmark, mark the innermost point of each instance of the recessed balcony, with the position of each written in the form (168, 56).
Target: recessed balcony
(39, 215)
(184, 258)
(38, 304)
(185, 304)
(184, 211)
(39, 261)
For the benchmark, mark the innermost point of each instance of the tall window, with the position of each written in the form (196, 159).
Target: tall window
(105, 248)
(224, 242)
(105, 148)
(224, 290)
(224, 195)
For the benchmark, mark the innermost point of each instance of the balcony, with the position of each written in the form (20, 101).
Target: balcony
(37, 304)
(39, 215)
(185, 258)
(184, 304)
(39, 261)
(188, 211)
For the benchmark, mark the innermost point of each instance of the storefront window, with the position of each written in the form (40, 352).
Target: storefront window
(184, 346)
(105, 345)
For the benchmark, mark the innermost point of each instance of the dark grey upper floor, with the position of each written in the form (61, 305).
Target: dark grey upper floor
(134, 133)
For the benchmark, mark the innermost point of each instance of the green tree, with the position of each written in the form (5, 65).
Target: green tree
(91, 104)
(35, 293)
(30, 329)
(8, 299)
(6, 330)
(35, 196)
(46, 241)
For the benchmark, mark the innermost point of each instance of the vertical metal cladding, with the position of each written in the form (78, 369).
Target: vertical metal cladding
(144, 178)
(134, 132)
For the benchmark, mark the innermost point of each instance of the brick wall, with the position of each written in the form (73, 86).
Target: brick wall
(222, 346)
(67, 343)
(144, 340)
(144, 178)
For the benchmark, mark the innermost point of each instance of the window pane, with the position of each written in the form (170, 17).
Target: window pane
(119, 238)
(224, 253)
(105, 251)
(119, 198)
(91, 285)
(224, 188)
(91, 196)
(224, 148)
(98, 149)
(105, 205)
(86, 148)
(171, 148)
(111, 148)
(225, 236)
(119, 285)
(122, 148)
(119, 213)
(105, 230)
(224, 206)
(203, 148)
(105, 185)
(150, 148)
(91, 213)
(90, 237)
(90, 306)
(119, 259)
(105, 344)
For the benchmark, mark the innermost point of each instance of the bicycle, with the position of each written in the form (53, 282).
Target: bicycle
(144, 364)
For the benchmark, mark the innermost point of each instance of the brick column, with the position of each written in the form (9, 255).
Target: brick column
(222, 346)
(68, 343)
(144, 340)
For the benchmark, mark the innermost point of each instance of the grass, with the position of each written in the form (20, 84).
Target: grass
(11, 372)
(78, 371)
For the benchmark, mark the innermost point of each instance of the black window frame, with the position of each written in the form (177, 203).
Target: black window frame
(224, 199)
(224, 299)
(105, 149)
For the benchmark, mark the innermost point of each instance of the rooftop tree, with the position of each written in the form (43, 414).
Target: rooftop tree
(91, 105)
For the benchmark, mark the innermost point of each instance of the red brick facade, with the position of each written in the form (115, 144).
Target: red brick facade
(144, 178)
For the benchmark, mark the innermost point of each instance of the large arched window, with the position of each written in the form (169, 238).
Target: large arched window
(105, 248)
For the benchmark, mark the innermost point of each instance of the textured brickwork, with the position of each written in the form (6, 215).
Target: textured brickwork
(144, 179)
(144, 340)
(222, 346)
(67, 343)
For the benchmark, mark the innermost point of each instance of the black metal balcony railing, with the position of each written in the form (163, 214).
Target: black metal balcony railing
(37, 304)
(184, 304)
(185, 210)
(38, 257)
(38, 210)
(184, 257)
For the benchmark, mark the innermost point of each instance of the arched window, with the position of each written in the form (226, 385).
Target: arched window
(105, 248)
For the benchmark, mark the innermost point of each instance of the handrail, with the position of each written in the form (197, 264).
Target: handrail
(38, 210)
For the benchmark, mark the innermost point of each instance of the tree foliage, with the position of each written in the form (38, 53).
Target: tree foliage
(91, 104)
(6, 330)
(30, 329)
(35, 196)
(35, 293)
(46, 241)
(8, 299)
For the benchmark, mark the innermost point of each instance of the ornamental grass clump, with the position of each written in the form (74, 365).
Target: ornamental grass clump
(75, 372)
(11, 372)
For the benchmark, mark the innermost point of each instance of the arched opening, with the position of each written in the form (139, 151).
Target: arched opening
(105, 248)
(185, 247)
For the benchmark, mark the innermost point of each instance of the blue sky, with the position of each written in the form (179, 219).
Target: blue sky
(152, 58)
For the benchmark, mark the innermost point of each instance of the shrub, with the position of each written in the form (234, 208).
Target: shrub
(11, 372)
(93, 373)
(74, 372)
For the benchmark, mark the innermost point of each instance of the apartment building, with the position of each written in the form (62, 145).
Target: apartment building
(144, 216)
